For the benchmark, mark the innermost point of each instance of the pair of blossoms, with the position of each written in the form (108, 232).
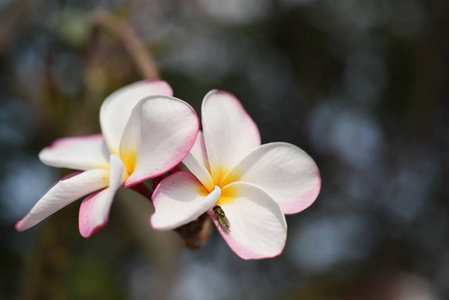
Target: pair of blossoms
(245, 187)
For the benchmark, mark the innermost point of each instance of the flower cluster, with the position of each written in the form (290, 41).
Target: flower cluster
(245, 187)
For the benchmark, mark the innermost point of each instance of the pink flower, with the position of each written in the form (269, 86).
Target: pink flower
(144, 136)
(246, 188)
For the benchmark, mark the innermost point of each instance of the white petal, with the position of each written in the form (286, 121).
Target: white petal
(64, 192)
(196, 162)
(257, 225)
(79, 153)
(116, 109)
(284, 171)
(159, 134)
(198, 150)
(229, 132)
(94, 210)
(180, 199)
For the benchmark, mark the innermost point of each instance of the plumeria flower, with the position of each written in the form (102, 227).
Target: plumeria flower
(245, 187)
(141, 139)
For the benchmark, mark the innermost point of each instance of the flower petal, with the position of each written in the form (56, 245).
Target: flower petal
(257, 225)
(79, 153)
(116, 109)
(180, 199)
(64, 192)
(284, 171)
(229, 132)
(95, 208)
(197, 163)
(159, 134)
(198, 150)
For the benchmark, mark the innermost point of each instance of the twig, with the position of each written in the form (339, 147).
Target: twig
(135, 47)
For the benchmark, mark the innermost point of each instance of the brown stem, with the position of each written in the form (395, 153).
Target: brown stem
(196, 233)
(144, 62)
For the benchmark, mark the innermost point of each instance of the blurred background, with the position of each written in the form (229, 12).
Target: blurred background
(362, 86)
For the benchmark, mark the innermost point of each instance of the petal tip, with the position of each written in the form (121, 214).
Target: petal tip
(258, 257)
(219, 92)
(88, 232)
(18, 227)
(165, 84)
(223, 92)
(155, 223)
(250, 255)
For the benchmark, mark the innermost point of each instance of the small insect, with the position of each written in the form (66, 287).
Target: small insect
(221, 217)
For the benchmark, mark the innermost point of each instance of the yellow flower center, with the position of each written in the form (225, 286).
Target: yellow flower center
(129, 159)
(222, 180)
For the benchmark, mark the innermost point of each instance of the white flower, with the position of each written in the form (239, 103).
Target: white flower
(143, 137)
(246, 188)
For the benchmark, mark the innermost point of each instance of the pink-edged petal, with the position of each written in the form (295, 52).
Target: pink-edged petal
(257, 225)
(62, 194)
(94, 210)
(284, 171)
(116, 109)
(229, 132)
(159, 134)
(197, 163)
(180, 199)
(79, 153)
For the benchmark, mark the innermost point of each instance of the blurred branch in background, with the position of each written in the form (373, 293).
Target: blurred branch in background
(14, 19)
(142, 59)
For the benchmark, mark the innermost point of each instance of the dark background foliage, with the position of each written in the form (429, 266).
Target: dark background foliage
(362, 86)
